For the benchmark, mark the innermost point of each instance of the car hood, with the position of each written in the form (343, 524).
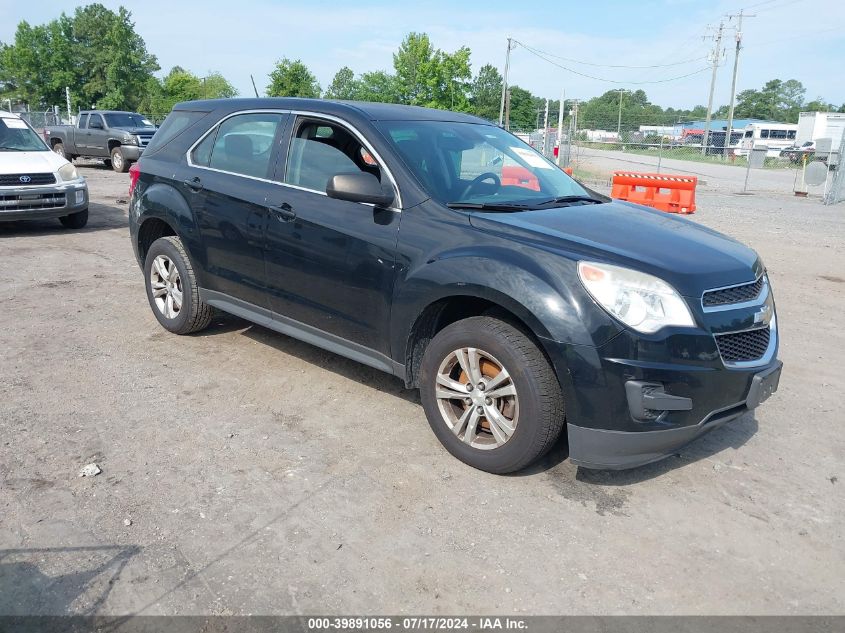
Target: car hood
(690, 257)
(30, 162)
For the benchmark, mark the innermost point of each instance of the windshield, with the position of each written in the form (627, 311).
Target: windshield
(127, 120)
(476, 164)
(17, 136)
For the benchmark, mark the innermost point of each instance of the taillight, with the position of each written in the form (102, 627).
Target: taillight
(134, 174)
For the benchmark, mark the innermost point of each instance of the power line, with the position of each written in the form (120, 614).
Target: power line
(613, 81)
(576, 61)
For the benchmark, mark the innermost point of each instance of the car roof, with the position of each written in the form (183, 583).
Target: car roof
(9, 115)
(370, 110)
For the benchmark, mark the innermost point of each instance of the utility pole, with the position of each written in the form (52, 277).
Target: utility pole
(619, 120)
(716, 51)
(738, 17)
(67, 101)
(546, 129)
(508, 111)
(560, 126)
(502, 120)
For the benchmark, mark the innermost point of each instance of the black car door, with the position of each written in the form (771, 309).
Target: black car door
(330, 263)
(229, 185)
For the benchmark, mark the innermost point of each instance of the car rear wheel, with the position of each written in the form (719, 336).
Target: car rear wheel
(75, 220)
(172, 288)
(117, 162)
(490, 395)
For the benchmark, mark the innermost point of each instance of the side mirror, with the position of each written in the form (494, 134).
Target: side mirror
(360, 187)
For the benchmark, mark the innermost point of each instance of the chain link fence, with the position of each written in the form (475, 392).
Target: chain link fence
(40, 120)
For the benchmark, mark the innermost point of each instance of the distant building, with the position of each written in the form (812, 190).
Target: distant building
(721, 124)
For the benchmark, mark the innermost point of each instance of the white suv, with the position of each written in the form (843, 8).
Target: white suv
(36, 182)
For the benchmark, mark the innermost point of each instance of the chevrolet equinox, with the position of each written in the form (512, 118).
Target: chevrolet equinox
(442, 249)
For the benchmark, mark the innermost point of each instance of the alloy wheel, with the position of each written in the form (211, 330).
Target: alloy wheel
(477, 398)
(166, 284)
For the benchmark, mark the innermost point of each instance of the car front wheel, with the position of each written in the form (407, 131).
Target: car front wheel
(490, 395)
(117, 161)
(172, 288)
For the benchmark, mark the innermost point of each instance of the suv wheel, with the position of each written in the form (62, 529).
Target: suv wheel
(117, 161)
(490, 395)
(172, 288)
(75, 220)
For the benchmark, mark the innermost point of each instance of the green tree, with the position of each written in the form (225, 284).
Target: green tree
(377, 86)
(344, 85)
(778, 101)
(182, 85)
(414, 66)
(292, 79)
(523, 113)
(429, 77)
(450, 81)
(486, 93)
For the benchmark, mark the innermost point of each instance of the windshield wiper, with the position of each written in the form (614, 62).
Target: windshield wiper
(11, 149)
(490, 206)
(568, 199)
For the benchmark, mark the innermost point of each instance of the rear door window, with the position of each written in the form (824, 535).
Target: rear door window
(244, 144)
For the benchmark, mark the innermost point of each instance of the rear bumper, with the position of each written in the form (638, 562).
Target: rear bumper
(48, 201)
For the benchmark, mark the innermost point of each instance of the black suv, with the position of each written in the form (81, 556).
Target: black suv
(442, 249)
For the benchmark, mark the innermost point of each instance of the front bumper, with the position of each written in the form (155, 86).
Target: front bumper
(131, 153)
(43, 201)
(616, 450)
(639, 398)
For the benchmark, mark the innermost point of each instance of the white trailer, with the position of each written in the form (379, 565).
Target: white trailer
(813, 126)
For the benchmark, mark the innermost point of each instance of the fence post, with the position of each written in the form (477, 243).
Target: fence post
(660, 154)
(836, 193)
(748, 167)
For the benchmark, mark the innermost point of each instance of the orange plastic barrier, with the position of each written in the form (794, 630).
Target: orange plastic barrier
(520, 177)
(568, 170)
(673, 194)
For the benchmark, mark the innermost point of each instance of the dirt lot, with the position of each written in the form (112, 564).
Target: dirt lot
(261, 475)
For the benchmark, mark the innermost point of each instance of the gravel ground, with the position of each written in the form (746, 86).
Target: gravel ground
(245, 472)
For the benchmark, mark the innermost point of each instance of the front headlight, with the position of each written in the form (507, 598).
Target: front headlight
(640, 301)
(68, 172)
(130, 140)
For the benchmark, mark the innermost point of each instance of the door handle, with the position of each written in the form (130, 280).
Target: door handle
(283, 212)
(194, 184)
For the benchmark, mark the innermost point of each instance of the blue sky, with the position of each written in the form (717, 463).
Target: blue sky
(800, 39)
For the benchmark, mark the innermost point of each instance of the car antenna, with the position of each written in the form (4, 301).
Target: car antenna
(253, 85)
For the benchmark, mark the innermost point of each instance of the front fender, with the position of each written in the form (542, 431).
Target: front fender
(544, 295)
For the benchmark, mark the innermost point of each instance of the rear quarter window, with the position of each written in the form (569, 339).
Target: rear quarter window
(174, 125)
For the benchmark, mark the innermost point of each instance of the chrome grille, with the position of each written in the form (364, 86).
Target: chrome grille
(144, 139)
(26, 180)
(734, 294)
(32, 202)
(738, 347)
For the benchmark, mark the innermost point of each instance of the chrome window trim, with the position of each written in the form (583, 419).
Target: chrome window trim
(214, 127)
(767, 356)
(760, 299)
(318, 115)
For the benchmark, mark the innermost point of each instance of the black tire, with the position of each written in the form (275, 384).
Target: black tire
(75, 220)
(194, 315)
(540, 414)
(59, 148)
(107, 162)
(118, 163)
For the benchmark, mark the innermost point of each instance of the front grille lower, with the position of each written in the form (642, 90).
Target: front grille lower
(750, 345)
(144, 139)
(734, 294)
(14, 180)
(34, 202)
